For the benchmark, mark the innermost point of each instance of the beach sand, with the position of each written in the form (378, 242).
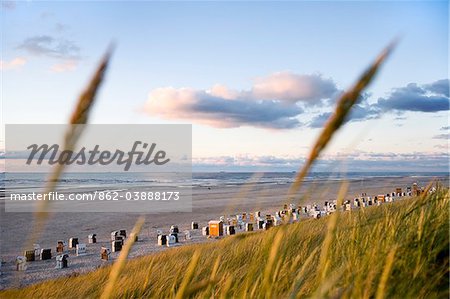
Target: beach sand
(208, 204)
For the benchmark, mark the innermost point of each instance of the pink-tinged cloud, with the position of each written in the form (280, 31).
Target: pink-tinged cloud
(65, 66)
(273, 102)
(203, 107)
(291, 87)
(12, 64)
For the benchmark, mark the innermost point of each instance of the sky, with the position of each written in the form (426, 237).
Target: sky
(257, 80)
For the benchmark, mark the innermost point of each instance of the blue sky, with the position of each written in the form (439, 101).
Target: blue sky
(256, 79)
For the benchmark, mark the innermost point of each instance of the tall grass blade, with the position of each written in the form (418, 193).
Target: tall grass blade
(325, 260)
(274, 253)
(121, 260)
(188, 276)
(80, 115)
(337, 119)
(386, 272)
(300, 279)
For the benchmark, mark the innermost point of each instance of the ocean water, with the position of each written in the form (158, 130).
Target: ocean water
(123, 181)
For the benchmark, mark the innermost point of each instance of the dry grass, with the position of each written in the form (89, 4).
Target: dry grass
(121, 261)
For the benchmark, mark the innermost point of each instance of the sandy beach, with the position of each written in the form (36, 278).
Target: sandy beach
(208, 203)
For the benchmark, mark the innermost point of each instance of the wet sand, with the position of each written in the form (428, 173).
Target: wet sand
(208, 204)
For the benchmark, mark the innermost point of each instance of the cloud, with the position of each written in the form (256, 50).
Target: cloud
(354, 161)
(441, 146)
(359, 112)
(421, 98)
(65, 66)
(206, 108)
(274, 101)
(400, 118)
(47, 15)
(8, 5)
(60, 27)
(413, 97)
(45, 45)
(15, 63)
(425, 98)
(319, 120)
(244, 161)
(286, 86)
(277, 100)
(440, 87)
(445, 136)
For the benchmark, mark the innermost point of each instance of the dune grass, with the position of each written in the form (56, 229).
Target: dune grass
(397, 250)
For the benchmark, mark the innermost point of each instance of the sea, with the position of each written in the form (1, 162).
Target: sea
(124, 180)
